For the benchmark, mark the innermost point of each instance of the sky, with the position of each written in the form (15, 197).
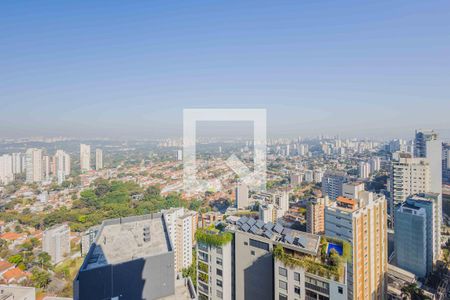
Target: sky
(129, 68)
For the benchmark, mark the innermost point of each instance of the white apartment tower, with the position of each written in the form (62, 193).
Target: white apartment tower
(17, 163)
(364, 170)
(56, 242)
(6, 169)
(34, 169)
(46, 167)
(98, 159)
(62, 165)
(85, 157)
(409, 175)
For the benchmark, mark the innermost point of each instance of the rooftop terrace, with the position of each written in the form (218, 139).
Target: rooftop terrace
(125, 239)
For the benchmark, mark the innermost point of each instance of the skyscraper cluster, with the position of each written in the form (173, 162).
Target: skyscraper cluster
(85, 158)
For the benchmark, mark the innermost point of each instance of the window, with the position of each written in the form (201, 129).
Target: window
(219, 272)
(297, 290)
(252, 252)
(282, 284)
(219, 250)
(219, 261)
(282, 271)
(219, 294)
(340, 290)
(259, 244)
(282, 297)
(219, 282)
(297, 276)
(245, 243)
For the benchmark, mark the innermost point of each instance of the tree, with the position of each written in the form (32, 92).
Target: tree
(44, 260)
(16, 259)
(40, 278)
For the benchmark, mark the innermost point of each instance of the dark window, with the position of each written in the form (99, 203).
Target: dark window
(219, 261)
(259, 244)
(282, 271)
(252, 252)
(297, 290)
(282, 284)
(340, 290)
(245, 243)
(219, 282)
(282, 297)
(219, 272)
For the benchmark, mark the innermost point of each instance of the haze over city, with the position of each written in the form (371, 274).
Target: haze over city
(129, 69)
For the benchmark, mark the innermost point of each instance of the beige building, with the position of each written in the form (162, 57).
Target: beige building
(362, 222)
(315, 216)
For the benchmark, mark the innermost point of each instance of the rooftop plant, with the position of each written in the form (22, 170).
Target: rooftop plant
(213, 237)
(309, 263)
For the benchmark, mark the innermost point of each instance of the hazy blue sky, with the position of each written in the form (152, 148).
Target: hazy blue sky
(128, 68)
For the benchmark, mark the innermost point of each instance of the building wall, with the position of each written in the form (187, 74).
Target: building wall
(220, 284)
(149, 278)
(410, 242)
(253, 269)
(298, 283)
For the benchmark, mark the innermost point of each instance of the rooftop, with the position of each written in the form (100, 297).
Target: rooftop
(125, 239)
(298, 240)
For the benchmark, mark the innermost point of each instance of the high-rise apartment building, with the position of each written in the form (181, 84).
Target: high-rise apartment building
(242, 196)
(62, 165)
(56, 242)
(375, 164)
(98, 159)
(364, 170)
(46, 167)
(17, 159)
(408, 176)
(214, 265)
(131, 258)
(428, 145)
(6, 169)
(418, 233)
(181, 224)
(332, 182)
(296, 179)
(363, 223)
(315, 215)
(34, 169)
(352, 189)
(271, 262)
(85, 157)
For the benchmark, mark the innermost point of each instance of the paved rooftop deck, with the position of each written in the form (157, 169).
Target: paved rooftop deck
(127, 239)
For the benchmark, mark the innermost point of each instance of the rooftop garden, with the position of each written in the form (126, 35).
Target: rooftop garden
(213, 237)
(329, 264)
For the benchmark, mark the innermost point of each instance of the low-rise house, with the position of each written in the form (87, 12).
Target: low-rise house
(15, 276)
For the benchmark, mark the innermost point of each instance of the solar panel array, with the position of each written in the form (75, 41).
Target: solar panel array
(271, 231)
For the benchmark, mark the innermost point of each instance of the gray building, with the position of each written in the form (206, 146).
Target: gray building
(132, 258)
(417, 235)
(260, 274)
(411, 238)
(332, 182)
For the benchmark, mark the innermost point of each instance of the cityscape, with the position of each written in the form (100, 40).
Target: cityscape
(237, 151)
